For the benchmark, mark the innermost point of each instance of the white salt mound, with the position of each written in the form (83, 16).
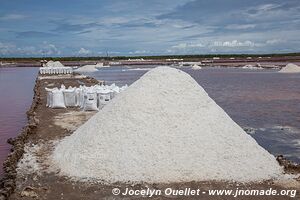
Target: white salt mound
(258, 66)
(101, 65)
(163, 128)
(290, 68)
(87, 68)
(196, 67)
(54, 64)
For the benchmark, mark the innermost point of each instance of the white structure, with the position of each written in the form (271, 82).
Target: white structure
(174, 59)
(115, 63)
(56, 67)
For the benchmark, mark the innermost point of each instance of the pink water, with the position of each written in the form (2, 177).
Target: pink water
(16, 90)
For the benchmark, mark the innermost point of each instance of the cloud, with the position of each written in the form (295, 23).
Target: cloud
(69, 27)
(238, 15)
(6, 48)
(83, 51)
(188, 45)
(240, 26)
(273, 7)
(49, 49)
(137, 52)
(34, 34)
(44, 49)
(235, 43)
(264, 8)
(274, 41)
(152, 27)
(105, 23)
(12, 17)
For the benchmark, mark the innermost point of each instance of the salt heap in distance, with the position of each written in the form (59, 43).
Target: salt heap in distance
(290, 68)
(163, 128)
(87, 68)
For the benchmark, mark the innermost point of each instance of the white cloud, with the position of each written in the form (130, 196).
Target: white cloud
(5, 48)
(113, 52)
(12, 17)
(274, 41)
(50, 49)
(44, 49)
(240, 26)
(83, 51)
(139, 52)
(188, 45)
(267, 7)
(235, 43)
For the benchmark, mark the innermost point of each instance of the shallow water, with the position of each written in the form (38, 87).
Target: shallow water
(16, 89)
(263, 100)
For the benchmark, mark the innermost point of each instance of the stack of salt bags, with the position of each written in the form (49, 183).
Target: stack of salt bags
(70, 97)
(103, 96)
(95, 97)
(115, 89)
(107, 92)
(55, 97)
(79, 96)
(90, 99)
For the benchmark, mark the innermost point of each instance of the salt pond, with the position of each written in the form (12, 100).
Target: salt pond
(16, 89)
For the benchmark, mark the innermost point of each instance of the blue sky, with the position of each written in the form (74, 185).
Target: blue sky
(147, 27)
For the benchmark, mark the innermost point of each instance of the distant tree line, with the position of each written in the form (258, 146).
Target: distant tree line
(144, 57)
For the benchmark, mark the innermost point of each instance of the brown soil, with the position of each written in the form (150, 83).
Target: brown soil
(46, 125)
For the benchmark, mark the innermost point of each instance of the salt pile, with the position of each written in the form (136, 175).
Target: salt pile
(54, 64)
(258, 66)
(196, 67)
(290, 68)
(87, 68)
(101, 65)
(163, 128)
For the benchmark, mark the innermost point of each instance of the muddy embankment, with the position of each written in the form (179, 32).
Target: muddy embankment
(46, 125)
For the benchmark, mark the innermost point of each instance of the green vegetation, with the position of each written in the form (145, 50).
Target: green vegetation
(28, 59)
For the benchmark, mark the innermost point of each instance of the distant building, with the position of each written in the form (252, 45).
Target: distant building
(174, 59)
(137, 59)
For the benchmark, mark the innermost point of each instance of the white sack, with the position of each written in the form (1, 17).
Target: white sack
(58, 99)
(49, 97)
(70, 97)
(90, 102)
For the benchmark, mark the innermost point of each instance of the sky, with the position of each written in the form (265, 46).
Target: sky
(30, 28)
